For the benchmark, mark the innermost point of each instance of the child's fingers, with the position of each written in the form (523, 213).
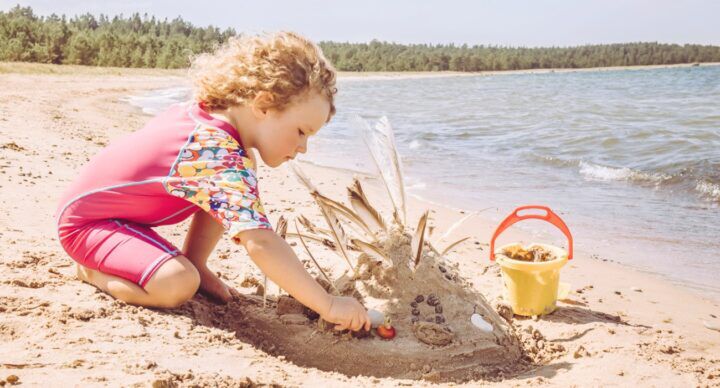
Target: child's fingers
(342, 326)
(361, 323)
(358, 323)
(234, 294)
(355, 323)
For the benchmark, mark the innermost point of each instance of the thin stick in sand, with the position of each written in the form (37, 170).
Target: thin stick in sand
(302, 241)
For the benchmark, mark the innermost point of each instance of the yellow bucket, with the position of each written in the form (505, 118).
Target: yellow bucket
(532, 287)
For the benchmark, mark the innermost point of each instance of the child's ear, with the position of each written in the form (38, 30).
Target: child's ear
(260, 103)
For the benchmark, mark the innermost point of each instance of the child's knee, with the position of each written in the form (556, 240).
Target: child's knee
(174, 283)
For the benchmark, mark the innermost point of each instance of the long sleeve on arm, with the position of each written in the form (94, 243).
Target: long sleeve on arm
(214, 172)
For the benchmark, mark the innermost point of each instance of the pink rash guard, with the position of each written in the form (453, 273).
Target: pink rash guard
(182, 161)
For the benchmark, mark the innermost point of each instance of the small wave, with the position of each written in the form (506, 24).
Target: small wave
(417, 186)
(428, 136)
(597, 172)
(158, 100)
(414, 183)
(464, 135)
(710, 190)
(553, 161)
(414, 145)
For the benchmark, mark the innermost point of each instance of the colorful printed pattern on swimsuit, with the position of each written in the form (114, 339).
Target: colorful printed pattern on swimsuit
(213, 172)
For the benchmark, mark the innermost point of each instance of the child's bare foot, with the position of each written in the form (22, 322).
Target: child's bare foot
(211, 285)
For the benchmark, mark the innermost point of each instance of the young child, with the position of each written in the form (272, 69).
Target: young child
(263, 93)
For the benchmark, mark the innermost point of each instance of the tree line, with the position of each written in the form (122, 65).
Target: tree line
(145, 41)
(132, 41)
(382, 56)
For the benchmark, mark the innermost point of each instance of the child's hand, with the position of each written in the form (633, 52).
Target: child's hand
(347, 313)
(278, 261)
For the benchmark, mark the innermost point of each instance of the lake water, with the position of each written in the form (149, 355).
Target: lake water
(629, 158)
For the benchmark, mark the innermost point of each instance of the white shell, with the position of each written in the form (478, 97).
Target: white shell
(376, 318)
(480, 323)
(711, 326)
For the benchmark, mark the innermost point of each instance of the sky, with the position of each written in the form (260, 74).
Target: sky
(528, 23)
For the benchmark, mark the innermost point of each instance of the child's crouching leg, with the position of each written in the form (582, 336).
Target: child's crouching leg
(172, 284)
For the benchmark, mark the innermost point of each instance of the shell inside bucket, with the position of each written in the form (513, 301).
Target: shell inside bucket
(532, 287)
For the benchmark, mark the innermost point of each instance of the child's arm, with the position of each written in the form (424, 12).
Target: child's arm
(278, 261)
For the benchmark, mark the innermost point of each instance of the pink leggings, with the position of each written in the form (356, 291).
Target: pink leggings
(128, 250)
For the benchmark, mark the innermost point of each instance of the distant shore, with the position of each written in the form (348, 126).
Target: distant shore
(44, 68)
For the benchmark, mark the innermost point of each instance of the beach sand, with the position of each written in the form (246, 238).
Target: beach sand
(617, 327)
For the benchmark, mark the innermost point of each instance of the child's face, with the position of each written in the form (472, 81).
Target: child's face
(281, 135)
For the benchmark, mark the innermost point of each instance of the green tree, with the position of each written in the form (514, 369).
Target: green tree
(81, 49)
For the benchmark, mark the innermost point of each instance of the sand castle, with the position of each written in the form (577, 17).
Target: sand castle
(392, 268)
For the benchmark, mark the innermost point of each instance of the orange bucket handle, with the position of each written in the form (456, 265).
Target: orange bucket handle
(549, 217)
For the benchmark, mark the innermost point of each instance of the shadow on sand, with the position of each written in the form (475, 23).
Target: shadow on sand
(236, 317)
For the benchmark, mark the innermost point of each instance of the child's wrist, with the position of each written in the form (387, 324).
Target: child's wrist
(325, 305)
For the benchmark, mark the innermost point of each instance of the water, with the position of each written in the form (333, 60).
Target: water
(158, 100)
(629, 158)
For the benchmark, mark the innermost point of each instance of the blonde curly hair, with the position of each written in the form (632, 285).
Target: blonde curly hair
(285, 64)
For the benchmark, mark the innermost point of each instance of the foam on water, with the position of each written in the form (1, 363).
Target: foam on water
(711, 190)
(415, 144)
(158, 100)
(603, 173)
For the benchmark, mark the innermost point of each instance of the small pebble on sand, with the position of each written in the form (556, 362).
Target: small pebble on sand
(12, 379)
(580, 352)
(636, 289)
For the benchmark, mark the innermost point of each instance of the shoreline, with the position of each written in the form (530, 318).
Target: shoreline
(618, 326)
(697, 290)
